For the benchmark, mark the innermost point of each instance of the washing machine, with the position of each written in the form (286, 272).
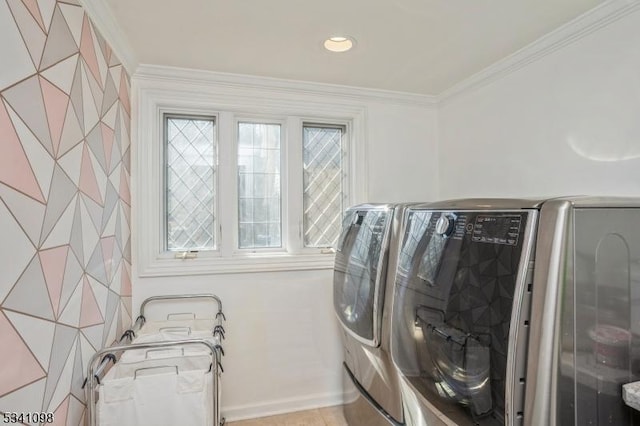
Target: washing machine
(518, 312)
(365, 255)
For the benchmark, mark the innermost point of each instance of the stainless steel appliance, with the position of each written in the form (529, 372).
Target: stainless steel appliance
(518, 312)
(365, 254)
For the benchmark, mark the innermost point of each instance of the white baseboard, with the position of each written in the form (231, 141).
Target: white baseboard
(281, 406)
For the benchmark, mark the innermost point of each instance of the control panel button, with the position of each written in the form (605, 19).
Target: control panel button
(445, 225)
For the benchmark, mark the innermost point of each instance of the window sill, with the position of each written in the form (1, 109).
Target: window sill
(167, 267)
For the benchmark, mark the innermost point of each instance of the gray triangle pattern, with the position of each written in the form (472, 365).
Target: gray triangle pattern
(76, 96)
(117, 133)
(112, 306)
(70, 138)
(95, 142)
(62, 343)
(95, 212)
(110, 200)
(126, 305)
(119, 240)
(116, 156)
(26, 100)
(60, 43)
(76, 409)
(78, 375)
(96, 91)
(64, 190)
(126, 253)
(72, 275)
(94, 335)
(103, 45)
(95, 268)
(30, 294)
(125, 117)
(76, 242)
(29, 29)
(126, 160)
(110, 95)
(115, 262)
(19, 204)
(114, 61)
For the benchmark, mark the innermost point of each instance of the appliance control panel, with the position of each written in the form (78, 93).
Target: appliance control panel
(497, 229)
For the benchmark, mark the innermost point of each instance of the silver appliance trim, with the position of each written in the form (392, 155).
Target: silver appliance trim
(372, 403)
(579, 201)
(518, 337)
(484, 204)
(554, 223)
(381, 273)
(601, 202)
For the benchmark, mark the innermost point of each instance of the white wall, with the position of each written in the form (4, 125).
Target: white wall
(400, 167)
(283, 347)
(568, 123)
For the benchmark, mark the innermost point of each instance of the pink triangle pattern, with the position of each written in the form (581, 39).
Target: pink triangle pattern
(60, 415)
(89, 311)
(55, 104)
(88, 182)
(53, 263)
(88, 51)
(34, 9)
(125, 289)
(18, 367)
(15, 169)
(52, 109)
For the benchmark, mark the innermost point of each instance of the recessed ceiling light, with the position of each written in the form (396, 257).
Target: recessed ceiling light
(338, 44)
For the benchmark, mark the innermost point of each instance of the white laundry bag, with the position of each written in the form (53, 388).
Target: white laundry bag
(159, 397)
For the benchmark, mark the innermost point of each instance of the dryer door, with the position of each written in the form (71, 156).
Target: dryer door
(359, 273)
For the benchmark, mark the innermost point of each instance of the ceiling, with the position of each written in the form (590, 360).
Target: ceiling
(416, 46)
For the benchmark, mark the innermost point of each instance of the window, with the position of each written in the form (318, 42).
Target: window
(323, 180)
(191, 168)
(231, 182)
(259, 185)
(190, 154)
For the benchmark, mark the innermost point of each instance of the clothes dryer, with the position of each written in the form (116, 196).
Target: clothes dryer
(501, 308)
(366, 253)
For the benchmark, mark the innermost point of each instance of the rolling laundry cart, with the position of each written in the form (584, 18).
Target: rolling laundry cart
(168, 375)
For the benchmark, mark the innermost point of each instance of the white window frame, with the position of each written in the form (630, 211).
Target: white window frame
(152, 99)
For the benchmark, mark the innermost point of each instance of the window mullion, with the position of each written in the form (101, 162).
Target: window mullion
(227, 185)
(293, 187)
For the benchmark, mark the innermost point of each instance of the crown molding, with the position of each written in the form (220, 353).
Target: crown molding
(184, 76)
(585, 24)
(106, 23)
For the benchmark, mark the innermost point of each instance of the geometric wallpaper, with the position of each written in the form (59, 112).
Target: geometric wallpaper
(65, 250)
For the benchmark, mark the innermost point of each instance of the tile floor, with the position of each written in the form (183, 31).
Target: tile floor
(329, 416)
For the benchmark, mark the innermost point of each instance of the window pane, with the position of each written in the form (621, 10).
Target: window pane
(259, 185)
(190, 183)
(323, 192)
